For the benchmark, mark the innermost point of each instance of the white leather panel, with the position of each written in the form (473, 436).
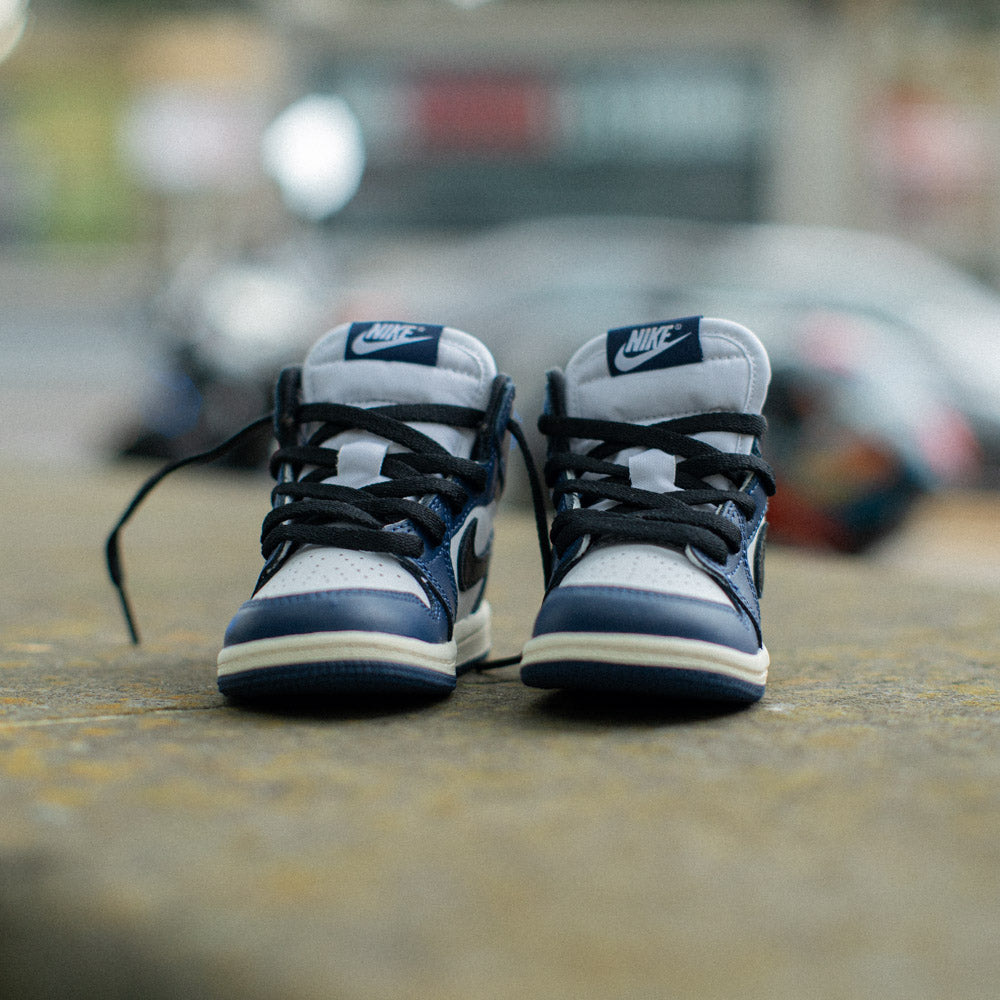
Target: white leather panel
(316, 568)
(644, 567)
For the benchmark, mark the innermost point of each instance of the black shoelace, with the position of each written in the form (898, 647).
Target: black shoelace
(308, 511)
(687, 516)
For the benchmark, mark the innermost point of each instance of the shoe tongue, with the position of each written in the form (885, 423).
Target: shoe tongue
(376, 364)
(379, 364)
(658, 371)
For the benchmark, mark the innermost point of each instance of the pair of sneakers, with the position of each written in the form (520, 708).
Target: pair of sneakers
(392, 444)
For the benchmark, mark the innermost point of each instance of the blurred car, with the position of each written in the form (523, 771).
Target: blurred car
(225, 328)
(887, 373)
(886, 367)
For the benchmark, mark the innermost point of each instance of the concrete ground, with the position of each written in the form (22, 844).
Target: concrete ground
(838, 840)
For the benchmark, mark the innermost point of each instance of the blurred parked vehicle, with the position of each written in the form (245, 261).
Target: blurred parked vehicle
(886, 361)
(225, 329)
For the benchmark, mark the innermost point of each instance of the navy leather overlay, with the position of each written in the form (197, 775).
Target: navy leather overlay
(736, 575)
(643, 612)
(383, 611)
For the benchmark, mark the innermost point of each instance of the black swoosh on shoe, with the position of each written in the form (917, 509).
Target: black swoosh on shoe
(472, 568)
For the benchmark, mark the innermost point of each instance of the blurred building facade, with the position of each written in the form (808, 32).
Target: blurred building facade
(878, 115)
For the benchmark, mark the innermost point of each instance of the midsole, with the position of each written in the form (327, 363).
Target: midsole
(474, 635)
(663, 652)
(472, 641)
(346, 647)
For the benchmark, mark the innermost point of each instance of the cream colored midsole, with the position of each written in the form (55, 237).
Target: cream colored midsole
(474, 634)
(324, 647)
(472, 641)
(664, 652)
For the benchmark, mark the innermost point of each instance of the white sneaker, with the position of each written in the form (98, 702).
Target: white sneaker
(660, 495)
(392, 443)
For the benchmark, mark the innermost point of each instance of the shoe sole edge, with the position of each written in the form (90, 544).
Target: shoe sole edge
(337, 647)
(353, 659)
(630, 663)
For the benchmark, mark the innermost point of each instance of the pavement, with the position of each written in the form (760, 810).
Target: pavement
(837, 840)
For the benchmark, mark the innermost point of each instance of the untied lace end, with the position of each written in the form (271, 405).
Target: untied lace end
(113, 557)
(112, 549)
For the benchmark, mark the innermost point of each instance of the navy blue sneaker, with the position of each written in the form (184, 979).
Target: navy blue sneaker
(392, 443)
(660, 495)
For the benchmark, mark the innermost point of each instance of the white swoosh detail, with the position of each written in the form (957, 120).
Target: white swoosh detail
(362, 346)
(625, 363)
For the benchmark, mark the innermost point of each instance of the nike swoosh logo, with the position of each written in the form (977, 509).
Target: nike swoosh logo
(471, 568)
(362, 346)
(626, 363)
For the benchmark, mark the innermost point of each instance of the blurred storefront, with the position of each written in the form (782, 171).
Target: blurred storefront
(504, 113)
(879, 115)
(876, 115)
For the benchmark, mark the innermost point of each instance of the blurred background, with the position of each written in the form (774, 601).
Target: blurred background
(191, 192)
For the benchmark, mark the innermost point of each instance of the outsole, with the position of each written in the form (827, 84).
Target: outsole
(352, 663)
(337, 678)
(628, 679)
(657, 666)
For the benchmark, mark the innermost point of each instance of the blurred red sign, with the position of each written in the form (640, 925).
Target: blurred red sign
(465, 113)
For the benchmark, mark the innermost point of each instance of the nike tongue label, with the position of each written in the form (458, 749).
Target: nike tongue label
(410, 342)
(655, 345)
